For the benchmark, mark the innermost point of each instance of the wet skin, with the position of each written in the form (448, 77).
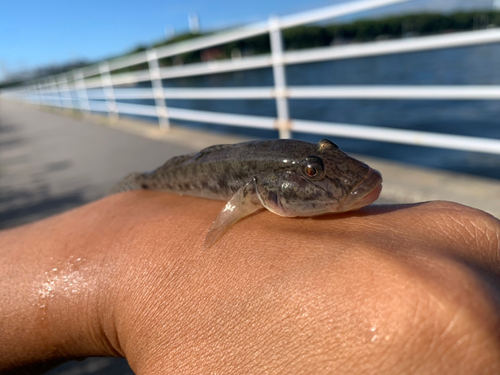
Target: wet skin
(287, 177)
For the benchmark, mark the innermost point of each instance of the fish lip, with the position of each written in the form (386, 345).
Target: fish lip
(369, 198)
(360, 195)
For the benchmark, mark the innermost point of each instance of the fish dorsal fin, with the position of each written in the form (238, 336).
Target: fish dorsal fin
(211, 149)
(177, 160)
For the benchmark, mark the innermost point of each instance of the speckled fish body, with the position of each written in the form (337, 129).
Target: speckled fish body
(287, 177)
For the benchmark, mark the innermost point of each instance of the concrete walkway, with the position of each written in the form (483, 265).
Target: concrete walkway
(50, 163)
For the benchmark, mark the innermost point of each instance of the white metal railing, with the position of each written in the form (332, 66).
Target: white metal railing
(77, 89)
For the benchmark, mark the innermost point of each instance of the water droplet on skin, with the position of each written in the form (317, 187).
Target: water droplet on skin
(387, 338)
(374, 339)
(63, 279)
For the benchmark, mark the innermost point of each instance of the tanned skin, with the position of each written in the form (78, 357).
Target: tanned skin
(384, 290)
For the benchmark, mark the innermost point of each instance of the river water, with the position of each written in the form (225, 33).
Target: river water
(478, 65)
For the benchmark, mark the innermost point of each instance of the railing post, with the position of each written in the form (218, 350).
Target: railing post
(279, 77)
(65, 92)
(47, 92)
(36, 88)
(56, 92)
(43, 91)
(81, 90)
(107, 87)
(157, 87)
(25, 92)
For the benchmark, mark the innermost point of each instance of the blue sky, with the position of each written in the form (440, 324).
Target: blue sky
(36, 33)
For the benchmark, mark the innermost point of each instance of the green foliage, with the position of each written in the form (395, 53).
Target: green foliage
(256, 45)
(417, 24)
(137, 50)
(176, 39)
(7, 84)
(306, 37)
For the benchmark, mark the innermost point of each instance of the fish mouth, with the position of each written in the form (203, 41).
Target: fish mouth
(365, 193)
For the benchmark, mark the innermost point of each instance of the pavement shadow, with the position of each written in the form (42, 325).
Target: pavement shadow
(93, 366)
(19, 207)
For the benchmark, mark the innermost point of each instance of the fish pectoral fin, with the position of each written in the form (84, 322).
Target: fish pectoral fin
(243, 203)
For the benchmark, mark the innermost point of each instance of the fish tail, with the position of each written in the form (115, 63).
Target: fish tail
(130, 182)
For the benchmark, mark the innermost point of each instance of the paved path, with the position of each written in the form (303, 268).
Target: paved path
(50, 163)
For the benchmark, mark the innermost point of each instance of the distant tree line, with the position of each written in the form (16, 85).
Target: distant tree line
(320, 36)
(45, 71)
(313, 36)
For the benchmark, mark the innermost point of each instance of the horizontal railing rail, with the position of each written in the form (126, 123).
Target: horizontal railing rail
(98, 89)
(305, 92)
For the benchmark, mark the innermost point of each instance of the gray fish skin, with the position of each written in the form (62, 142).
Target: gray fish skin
(287, 177)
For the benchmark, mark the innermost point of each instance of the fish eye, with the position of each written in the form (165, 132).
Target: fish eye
(310, 170)
(313, 167)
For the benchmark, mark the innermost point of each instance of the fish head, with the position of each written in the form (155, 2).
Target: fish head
(327, 181)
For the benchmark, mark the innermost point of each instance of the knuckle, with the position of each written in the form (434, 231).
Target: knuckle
(469, 224)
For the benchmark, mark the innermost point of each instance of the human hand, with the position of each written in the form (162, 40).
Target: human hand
(387, 289)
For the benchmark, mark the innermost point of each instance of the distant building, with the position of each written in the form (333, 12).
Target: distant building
(194, 23)
(496, 5)
(211, 54)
